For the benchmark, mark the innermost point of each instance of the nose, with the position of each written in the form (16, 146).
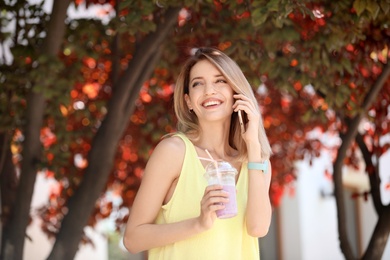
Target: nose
(209, 89)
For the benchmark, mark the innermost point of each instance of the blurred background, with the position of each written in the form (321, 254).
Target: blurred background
(86, 93)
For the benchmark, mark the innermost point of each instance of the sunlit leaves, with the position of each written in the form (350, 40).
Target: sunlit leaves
(276, 10)
(135, 17)
(259, 16)
(359, 6)
(314, 63)
(385, 6)
(373, 7)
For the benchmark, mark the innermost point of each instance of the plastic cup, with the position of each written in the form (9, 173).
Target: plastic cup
(221, 172)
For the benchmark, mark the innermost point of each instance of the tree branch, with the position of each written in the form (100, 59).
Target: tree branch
(115, 53)
(15, 232)
(104, 145)
(147, 71)
(141, 58)
(372, 172)
(347, 139)
(380, 236)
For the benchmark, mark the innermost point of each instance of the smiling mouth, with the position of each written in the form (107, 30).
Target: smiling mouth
(211, 103)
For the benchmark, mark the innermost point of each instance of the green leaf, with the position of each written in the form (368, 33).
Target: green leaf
(373, 8)
(347, 65)
(278, 22)
(273, 6)
(385, 6)
(259, 16)
(125, 4)
(340, 98)
(325, 58)
(306, 117)
(359, 6)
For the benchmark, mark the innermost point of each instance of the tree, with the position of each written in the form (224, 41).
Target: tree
(126, 69)
(354, 85)
(15, 230)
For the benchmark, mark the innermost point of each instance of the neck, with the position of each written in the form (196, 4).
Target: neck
(215, 138)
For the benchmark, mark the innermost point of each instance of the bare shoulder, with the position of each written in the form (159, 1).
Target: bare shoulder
(162, 168)
(168, 156)
(172, 145)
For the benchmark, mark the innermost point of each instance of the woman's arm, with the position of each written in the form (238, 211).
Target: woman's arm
(259, 210)
(163, 167)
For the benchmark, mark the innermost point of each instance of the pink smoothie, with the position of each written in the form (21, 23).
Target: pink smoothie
(230, 209)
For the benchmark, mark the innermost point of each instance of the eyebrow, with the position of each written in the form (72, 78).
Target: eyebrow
(217, 76)
(196, 78)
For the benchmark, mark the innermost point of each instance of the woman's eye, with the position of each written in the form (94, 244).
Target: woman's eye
(221, 81)
(195, 84)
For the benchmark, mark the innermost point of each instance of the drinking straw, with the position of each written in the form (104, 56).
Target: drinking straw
(216, 164)
(210, 156)
(206, 159)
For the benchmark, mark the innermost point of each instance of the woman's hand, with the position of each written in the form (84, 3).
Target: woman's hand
(214, 199)
(252, 127)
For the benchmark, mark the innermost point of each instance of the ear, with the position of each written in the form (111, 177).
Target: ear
(188, 101)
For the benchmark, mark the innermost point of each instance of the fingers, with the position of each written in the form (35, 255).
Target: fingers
(214, 198)
(214, 194)
(243, 103)
(241, 97)
(252, 114)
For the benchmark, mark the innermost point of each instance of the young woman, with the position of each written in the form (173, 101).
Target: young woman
(174, 213)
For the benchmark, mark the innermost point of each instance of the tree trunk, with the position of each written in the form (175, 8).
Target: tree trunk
(380, 236)
(8, 181)
(345, 245)
(373, 174)
(347, 138)
(12, 246)
(104, 146)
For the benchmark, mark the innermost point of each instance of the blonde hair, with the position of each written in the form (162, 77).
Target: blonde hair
(187, 120)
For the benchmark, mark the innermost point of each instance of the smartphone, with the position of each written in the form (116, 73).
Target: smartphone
(240, 118)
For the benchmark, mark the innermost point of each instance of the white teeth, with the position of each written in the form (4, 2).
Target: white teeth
(211, 103)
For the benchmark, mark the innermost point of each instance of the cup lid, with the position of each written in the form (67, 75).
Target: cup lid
(223, 166)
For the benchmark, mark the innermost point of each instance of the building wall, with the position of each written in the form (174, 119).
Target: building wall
(308, 220)
(37, 246)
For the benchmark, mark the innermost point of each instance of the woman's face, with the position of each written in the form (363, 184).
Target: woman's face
(210, 96)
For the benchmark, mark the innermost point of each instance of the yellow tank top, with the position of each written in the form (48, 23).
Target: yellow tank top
(227, 239)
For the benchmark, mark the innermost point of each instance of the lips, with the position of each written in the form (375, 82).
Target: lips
(211, 102)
